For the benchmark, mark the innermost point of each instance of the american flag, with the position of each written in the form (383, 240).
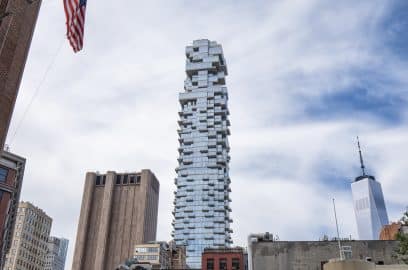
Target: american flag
(75, 14)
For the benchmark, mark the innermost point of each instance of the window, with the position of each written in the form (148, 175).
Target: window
(223, 264)
(98, 180)
(3, 174)
(235, 264)
(117, 179)
(210, 264)
(152, 257)
(125, 179)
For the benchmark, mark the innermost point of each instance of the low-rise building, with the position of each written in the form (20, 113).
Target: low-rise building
(133, 264)
(389, 232)
(177, 256)
(223, 259)
(154, 253)
(161, 255)
(310, 255)
(337, 264)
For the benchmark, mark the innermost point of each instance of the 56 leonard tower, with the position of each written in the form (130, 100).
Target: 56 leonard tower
(202, 211)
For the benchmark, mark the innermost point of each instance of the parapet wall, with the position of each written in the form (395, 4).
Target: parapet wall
(312, 255)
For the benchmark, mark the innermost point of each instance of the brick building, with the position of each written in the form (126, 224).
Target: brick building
(389, 232)
(17, 23)
(223, 259)
(11, 179)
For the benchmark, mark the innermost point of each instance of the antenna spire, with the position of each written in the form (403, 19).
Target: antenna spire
(361, 157)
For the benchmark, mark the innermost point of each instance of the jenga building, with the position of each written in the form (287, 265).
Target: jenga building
(17, 22)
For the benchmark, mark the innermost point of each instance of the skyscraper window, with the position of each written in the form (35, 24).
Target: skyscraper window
(202, 197)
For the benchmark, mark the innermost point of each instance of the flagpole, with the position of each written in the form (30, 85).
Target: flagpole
(338, 233)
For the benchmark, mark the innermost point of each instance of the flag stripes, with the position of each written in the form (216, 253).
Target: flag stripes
(75, 15)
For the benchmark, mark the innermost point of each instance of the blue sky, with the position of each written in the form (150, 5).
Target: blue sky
(305, 78)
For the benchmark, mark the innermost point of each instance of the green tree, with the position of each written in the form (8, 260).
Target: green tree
(402, 252)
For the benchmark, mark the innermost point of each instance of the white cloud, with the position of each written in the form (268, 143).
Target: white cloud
(114, 107)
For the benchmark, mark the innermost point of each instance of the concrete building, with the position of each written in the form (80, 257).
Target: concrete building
(29, 246)
(223, 259)
(11, 180)
(155, 253)
(119, 210)
(177, 256)
(161, 255)
(360, 265)
(17, 23)
(349, 265)
(312, 255)
(369, 206)
(202, 211)
(133, 264)
(57, 253)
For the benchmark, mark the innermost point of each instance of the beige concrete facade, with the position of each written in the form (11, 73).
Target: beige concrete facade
(312, 255)
(360, 265)
(392, 267)
(18, 19)
(119, 210)
(349, 265)
(29, 246)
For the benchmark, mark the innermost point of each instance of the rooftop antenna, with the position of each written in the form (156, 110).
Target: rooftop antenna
(361, 157)
(338, 233)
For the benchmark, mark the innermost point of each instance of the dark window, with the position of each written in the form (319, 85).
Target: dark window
(3, 174)
(235, 264)
(1, 195)
(210, 264)
(223, 264)
(125, 179)
(98, 180)
(138, 179)
(380, 262)
(103, 180)
(117, 179)
(132, 179)
(195, 49)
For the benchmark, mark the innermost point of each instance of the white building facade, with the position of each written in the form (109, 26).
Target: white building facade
(369, 207)
(202, 211)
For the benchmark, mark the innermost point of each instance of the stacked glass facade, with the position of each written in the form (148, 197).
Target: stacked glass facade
(202, 212)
